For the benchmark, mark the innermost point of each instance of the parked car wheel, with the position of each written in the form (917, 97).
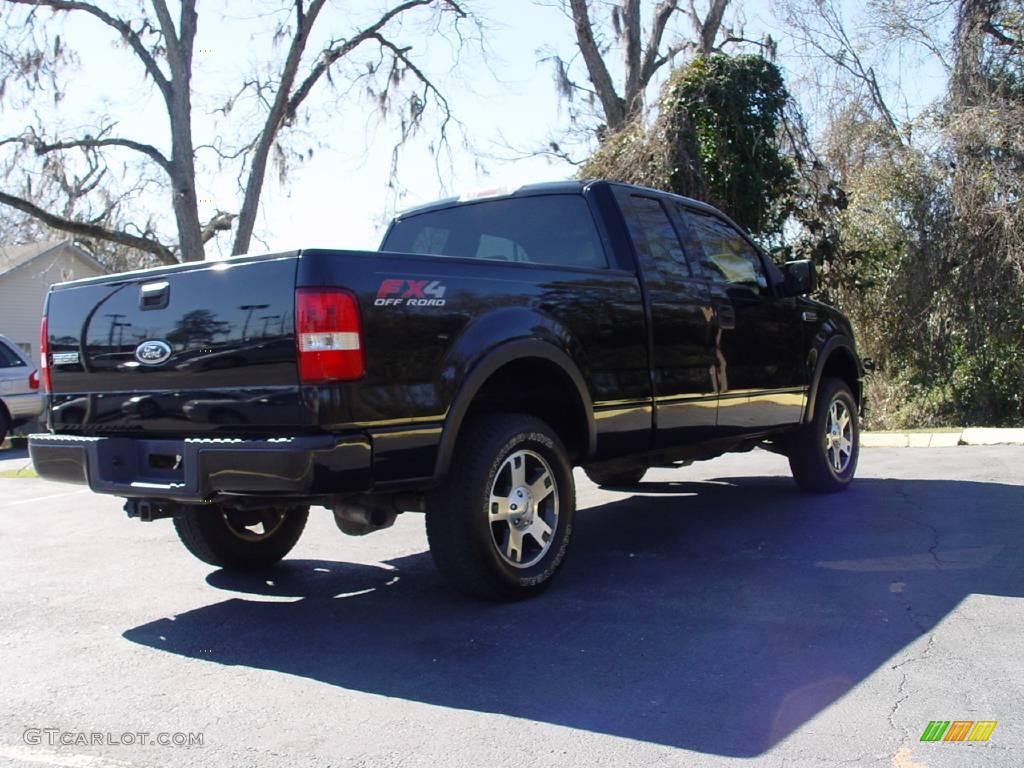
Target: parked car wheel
(625, 478)
(824, 452)
(241, 539)
(4, 426)
(500, 524)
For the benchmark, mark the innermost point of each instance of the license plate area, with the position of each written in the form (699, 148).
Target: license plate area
(146, 461)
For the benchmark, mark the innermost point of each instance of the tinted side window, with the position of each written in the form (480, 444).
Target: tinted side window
(545, 229)
(653, 234)
(728, 257)
(8, 359)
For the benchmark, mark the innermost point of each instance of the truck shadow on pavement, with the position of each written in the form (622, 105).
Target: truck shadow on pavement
(715, 616)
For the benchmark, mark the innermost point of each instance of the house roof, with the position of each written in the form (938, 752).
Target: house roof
(14, 256)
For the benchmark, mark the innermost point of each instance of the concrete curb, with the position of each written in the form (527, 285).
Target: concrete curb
(20, 468)
(950, 439)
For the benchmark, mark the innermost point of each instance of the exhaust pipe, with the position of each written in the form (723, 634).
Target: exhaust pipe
(360, 515)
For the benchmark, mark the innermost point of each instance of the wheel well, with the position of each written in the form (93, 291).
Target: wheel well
(541, 388)
(841, 365)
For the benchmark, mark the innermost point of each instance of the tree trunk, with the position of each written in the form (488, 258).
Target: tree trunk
(183, 174)
(179, 109)
(707, 30)
(967, 81)
(634, 96)
(613, 105)
(278, 112)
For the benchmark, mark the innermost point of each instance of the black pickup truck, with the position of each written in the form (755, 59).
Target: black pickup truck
(491, 345)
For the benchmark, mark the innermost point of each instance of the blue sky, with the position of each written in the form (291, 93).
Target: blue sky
(340, 198)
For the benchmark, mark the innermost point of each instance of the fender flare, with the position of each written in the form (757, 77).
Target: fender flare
(834, 343)
(474, 380)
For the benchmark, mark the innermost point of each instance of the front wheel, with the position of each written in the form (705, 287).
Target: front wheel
(241, 539)
(499, 525)
(824, 453)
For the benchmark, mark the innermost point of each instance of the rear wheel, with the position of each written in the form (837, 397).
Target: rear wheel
(241, 539)
(4, 426)
(824, 452)
(500, 523)
(623, 478)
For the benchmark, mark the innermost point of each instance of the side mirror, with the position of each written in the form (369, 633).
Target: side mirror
(800, 277)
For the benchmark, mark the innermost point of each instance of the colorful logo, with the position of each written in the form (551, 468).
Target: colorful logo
(958, 730)
(397, 292)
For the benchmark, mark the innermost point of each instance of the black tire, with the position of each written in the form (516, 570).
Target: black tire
(219, 535)
(623, 478)
(811, 458)
(464, 527)
(4, 426)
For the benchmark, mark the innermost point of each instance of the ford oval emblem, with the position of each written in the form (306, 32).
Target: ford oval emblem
(153, 352)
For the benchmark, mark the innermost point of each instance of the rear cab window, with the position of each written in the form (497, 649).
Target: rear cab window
(556, 230)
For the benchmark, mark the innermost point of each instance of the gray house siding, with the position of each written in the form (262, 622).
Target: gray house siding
(23, 290)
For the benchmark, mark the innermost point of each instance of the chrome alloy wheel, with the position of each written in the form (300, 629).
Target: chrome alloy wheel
(838, 437)
(253, 525)
(523, 509)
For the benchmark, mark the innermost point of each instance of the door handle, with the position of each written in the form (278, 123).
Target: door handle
(154, 295)
(726, 316)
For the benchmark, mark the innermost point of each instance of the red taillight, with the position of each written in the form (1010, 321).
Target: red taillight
(44, 357)
(327, 335)
(33, 380)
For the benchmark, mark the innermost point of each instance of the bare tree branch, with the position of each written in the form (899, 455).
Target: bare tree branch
(1002, 38)
(162, 35)
(842, 53)
(221, 222)
(707, 28)
(640, 60)
(652, 60)
(288, 98)
(337, 50)
(401, 54)
(279, 112)
(121, 26)
(146, 244)
(42, 148)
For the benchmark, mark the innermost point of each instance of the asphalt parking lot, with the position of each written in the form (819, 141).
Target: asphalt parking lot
(717, 617)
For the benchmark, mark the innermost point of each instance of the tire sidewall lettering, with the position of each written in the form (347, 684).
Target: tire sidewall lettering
(554, 558)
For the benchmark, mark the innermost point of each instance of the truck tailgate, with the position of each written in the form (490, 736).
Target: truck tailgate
(204, 347)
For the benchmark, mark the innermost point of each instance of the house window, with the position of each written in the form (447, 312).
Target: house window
(26, 348)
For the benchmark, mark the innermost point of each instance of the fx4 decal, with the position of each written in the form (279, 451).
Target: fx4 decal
(397, 292)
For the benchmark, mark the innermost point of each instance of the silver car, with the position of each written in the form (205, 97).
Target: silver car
(20, 399)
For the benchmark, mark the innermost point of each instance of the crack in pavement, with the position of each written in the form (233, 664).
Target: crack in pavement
(902, 695)
(901, 690)
(921, 626)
